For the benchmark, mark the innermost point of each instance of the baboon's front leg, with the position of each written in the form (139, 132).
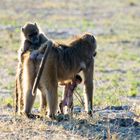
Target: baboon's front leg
(88, 76)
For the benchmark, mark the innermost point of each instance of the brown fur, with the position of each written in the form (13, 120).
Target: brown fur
(63, 63)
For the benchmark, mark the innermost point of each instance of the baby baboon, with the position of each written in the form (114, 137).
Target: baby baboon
(60, 65)
(32, 39)
(68, 94)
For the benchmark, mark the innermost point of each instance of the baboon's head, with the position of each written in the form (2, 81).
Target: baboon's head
(31, 32)
(89, 39)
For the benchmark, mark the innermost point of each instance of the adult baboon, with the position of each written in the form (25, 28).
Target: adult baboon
(31, 40)
(60, 65)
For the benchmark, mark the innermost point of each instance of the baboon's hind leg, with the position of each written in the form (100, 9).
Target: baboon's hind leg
(16, 97)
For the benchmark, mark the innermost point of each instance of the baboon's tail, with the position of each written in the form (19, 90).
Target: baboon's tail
(48, 45)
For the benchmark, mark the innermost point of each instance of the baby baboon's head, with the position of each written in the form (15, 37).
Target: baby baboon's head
(31, 32)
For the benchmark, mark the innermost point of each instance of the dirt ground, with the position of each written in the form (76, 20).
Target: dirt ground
(108, 123)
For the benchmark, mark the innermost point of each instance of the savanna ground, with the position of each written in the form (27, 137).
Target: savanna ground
(115, 24)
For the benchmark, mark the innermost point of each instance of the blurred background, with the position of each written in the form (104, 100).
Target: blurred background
(114, 23)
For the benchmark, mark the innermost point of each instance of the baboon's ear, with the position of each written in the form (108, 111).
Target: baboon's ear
(22, 29)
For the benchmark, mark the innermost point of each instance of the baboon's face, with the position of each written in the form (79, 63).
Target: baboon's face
(31, 33)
